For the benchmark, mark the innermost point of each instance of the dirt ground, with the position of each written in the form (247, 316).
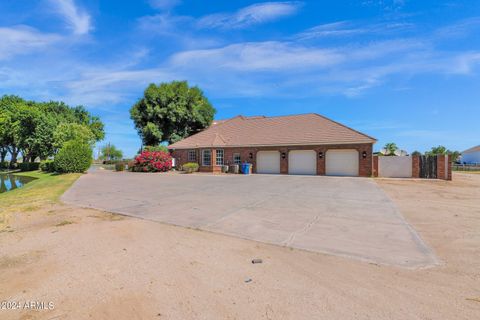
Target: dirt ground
(94, 265)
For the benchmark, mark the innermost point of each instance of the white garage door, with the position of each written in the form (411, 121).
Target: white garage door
(268, 162)
(342, 162)
(302, 162)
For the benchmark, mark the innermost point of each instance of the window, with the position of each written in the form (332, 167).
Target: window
(219, 157)
(237, 159)
(206, 157)
(192, 156)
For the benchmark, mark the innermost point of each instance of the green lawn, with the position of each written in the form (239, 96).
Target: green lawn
(45, 190)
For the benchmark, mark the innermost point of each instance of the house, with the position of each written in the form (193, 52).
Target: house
(307, 144)
(471, 156)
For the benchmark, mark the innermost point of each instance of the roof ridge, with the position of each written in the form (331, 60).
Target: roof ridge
(341, 124)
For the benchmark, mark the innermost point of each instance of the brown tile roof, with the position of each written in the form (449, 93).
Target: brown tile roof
(471, 150)
(303, 129)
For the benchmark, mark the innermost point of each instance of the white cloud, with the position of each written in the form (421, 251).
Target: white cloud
(347, 29)
(76, 18)
(255, 14)
(259, 56)
(164, 4)
(23, 40)
(465, 63)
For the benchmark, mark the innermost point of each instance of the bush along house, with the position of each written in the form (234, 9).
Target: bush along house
(306, 144)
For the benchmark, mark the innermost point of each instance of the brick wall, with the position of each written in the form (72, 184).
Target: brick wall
(249, 154)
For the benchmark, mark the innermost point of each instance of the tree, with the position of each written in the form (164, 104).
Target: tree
(156, 148)
(72, 131)
(390, 148)
(441, 150)
(110, 152)
(170, 112)
(10, 107)
(38, 129)
(416, 153)
(437, 150)
(454, 155)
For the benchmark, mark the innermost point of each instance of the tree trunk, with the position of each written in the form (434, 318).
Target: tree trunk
(14, 154)
(3, 155)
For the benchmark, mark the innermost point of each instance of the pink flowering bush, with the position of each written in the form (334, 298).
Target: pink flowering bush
(152, 161)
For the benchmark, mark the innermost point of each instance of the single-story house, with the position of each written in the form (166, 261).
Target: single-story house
(471, 156)
(308, 144)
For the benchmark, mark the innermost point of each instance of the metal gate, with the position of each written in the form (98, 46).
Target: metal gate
(428, 167)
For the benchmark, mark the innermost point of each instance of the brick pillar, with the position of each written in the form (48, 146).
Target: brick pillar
(441, 166)
(283, 162)
(449, 168)
(375, 166)
(366, 164)
(321, 161)
(415, 167)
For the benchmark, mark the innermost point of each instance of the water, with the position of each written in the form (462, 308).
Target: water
(9, 182)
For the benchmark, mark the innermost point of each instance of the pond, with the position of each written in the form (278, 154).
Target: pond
(9, 182)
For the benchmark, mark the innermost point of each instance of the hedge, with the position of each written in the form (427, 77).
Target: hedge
(28, 166)
(47, 166)
(74, 156)
(190, 167)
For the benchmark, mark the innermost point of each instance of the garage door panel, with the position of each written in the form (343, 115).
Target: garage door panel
(268, 162)
(342, 162)
(302, 162)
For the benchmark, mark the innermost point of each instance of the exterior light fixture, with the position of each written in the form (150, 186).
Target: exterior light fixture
(320, 155)
(284, 155)
(364, 154)
(250, 155)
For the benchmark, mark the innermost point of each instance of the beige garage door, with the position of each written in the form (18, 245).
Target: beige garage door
(302, 162)
(268, 162)
(342, 162)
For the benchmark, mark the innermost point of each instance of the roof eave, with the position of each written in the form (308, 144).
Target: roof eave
(372, 141)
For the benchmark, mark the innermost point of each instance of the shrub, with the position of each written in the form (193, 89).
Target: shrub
(119, 166)
(74, 156)
(190, 167)
(153, 161)
(47, 166)
(4, 165)
(28, 166)
(108, 162)
(131, 165)
(156, 148)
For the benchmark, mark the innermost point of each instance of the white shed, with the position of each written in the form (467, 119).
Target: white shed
(471, 155)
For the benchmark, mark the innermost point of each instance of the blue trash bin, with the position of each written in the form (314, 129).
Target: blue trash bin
(246, 168)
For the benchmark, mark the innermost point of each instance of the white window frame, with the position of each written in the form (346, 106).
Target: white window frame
(203, 158)
(237, 155)
(191, 158)
(217, 157)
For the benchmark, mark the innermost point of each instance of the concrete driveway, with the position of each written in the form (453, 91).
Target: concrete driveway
(350, 217)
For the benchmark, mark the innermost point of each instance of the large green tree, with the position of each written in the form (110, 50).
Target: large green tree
(170, 112)
(110, 152)
(72, 131)
(37, 130)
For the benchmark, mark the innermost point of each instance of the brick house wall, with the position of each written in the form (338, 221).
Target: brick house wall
(249, 154)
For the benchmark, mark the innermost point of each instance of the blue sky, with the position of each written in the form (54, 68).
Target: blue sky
(400, 70)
